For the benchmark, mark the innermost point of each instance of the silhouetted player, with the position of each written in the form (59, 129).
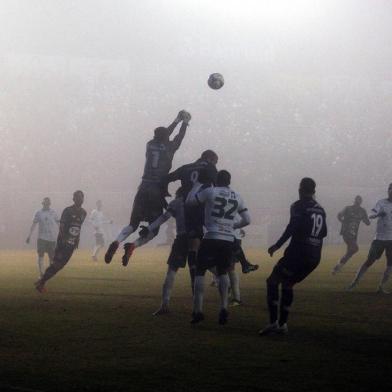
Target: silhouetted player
(71, 222)
(307, 228)
(351, 217)
(202, 171)
(150, 197)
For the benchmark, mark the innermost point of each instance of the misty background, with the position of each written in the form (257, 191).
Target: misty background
(308, 92)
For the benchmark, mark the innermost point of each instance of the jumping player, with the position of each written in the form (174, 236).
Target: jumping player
(307, 228)
(221, 205)
(203, 171)
(71, 222)
(351, 217)
(98, 220)
(382, 242)
(47, 221)
(150, 197)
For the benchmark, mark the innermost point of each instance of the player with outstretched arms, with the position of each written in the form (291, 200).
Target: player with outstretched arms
(307, 228)
(351, 217)
(68, 238)
(48, 222)
(382, 242)
(221, 205)
(150, 200)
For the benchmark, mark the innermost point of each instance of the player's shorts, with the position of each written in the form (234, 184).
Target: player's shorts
(194, 221)
(148, 203)
(214, 253)
(99, 239)
(179, 252)
(44, 246)
(296, 265)
(377, 249)
(62, 254)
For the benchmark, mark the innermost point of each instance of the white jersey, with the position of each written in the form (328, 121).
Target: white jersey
(47, 224)
(384, 224)
(97, 219)
(221, 205)
(176, 209)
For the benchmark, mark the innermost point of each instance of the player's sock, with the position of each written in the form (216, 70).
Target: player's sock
(192, 274)
(95, 252)
(167, 287)
(125, 233)
(41, 266)
(235, 285)
(199, 294)
(285, 302)
(143, 240)
(385, 277)
(272, 300)
(223, 285)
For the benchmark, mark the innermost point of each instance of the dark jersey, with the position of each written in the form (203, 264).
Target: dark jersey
(159, 156)
(71, 222)
(351, 217)
(201, 171)
(307, 226)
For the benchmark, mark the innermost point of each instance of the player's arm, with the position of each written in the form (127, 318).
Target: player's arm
(294, 223)
(341, 215)
(176, 121)
(377, 212)
(177, 140)
(197, 196)
(244, 221)
(174, 175)
(365, 218)
(35, 222)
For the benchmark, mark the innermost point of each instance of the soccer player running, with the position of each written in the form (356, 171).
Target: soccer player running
(179, 251)
(221, 205)
(150, 200)
(382, 242)
(47, 221)
(98, 220)
(68, 238)
(307, 228)
(351, 217)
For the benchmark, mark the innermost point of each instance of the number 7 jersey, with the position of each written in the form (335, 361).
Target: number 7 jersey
(221, 205)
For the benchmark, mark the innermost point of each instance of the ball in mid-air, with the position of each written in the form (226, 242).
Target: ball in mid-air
(216, 81)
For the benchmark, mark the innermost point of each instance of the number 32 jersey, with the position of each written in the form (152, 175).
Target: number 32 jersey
(221, 205)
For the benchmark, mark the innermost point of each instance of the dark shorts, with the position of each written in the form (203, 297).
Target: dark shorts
(148, 204)
(179, 252)
(377, 249)
(295, 266)
(214, 253)
(99, 239)
(62, 254)
(194, 221)
(44, 246)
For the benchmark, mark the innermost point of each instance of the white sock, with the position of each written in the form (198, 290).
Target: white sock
(143, 240)
(385, 277)
(167, 286)
(235, 285)
(41, 265)
(223, 285)
(125, 233)
(96, 249)
(199, 293)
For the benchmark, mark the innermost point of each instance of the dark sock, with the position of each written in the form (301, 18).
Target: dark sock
(272, 300)
(285, 303)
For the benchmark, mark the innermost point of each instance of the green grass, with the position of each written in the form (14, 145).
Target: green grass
(94, 331)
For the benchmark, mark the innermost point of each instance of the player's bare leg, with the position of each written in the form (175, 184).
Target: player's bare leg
(198, 297)
(166, 291)
(352, 249)
(362, 270)
(223, 285)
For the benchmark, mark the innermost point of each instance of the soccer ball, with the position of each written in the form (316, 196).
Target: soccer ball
(216, 81)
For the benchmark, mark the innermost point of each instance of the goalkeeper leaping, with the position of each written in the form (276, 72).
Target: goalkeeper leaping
(150, 197)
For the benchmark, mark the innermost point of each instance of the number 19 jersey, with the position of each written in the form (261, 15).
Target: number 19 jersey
(221, 205)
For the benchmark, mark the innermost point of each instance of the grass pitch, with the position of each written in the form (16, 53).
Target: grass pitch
(94, 331)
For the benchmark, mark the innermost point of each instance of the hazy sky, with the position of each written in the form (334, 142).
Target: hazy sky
(84, 83)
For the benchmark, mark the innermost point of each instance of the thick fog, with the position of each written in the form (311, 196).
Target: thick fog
(308, 92)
